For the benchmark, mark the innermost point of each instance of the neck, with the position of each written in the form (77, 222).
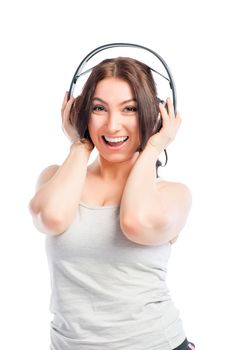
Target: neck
(114, 171)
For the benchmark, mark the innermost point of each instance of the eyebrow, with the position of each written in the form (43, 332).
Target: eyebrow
(99, 99)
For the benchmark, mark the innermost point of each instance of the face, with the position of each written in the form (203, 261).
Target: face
(114, 114)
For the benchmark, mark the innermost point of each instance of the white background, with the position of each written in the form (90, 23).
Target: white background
(42, 43)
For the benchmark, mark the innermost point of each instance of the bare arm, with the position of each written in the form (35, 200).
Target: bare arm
(55, 203)
(59, 188)
(154, 213)
(137, 194)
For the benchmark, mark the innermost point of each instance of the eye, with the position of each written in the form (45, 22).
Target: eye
(130, 109)
(98, 108)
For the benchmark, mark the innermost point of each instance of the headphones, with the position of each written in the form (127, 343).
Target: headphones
(79, 72)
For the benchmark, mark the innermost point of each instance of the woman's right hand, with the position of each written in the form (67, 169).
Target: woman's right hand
(68, 129)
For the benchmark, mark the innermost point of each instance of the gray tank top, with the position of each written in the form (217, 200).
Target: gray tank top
(106, 291)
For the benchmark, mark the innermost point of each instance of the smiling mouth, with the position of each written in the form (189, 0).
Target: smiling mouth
(114, 144)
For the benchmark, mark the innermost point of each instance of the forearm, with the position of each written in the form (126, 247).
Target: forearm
(58, 199)
(139, 188)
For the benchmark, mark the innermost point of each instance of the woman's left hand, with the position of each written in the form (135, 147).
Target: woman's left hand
(170, 126)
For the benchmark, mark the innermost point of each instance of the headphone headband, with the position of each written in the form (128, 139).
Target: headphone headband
(109, 46)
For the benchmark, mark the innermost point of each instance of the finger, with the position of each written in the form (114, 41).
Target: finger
(70, 102)
(170, 107)
(65, 97)
(67, 109)
(163, 111)
(178, 118)
(64, 101)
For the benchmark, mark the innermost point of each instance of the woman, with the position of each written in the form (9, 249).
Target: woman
(108, 260)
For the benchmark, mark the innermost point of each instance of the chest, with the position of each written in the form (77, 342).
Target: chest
(98, 192)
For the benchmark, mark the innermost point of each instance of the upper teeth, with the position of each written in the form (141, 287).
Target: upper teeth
(116, 139)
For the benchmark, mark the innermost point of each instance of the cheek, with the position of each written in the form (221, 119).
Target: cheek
(135, 124)
(94, 124)
(132, 124)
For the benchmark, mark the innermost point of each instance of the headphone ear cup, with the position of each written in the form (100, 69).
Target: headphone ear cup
(163, 103)
(158, 124)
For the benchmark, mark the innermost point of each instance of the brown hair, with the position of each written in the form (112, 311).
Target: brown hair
(139, 77)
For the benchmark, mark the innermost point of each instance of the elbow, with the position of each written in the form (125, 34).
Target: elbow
(33, 208)
(46, 222)
(129, 227)
(143, 234)
(135, 226)
(48, 217)
(50, 225)
(53, 223)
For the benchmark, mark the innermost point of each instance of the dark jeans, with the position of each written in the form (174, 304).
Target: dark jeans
(186, 345)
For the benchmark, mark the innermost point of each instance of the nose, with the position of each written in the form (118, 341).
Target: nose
(113, 122)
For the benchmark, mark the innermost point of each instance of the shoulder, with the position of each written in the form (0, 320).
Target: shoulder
(46, 174)
(176, 202)
(163, 183)
(174, 192)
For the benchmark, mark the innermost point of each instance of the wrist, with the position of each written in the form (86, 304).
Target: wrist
(158, 147)
(77, 144)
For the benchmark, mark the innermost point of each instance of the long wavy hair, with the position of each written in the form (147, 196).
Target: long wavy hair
(139, 77)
